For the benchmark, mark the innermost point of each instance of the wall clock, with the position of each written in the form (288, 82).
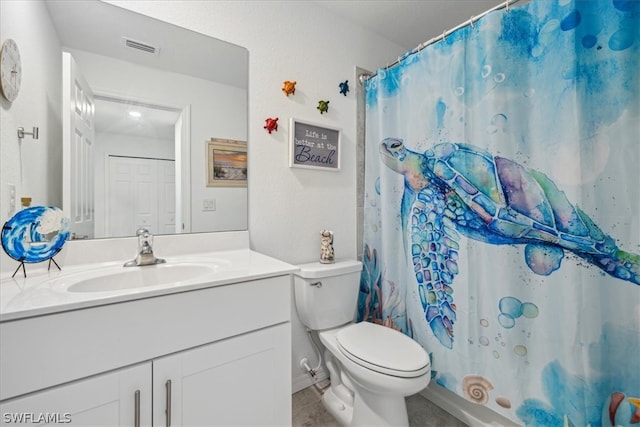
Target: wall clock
(10, 70)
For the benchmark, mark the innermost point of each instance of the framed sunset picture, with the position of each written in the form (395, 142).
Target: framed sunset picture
(226, 163)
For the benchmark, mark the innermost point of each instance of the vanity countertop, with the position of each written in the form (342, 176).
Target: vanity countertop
(46, 292)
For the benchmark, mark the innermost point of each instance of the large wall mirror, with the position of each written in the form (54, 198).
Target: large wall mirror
(141, 99)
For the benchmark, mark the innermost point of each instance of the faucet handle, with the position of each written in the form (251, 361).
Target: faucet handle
(145, 240)
(145, 251)
(142, 231)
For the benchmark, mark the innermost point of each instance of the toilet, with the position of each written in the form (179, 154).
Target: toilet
(371, 367)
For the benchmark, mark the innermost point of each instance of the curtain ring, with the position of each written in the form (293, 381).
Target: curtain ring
(471, 22)
(444, 36)
(507, 6)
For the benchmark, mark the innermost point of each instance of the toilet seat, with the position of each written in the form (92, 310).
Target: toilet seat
(383, 350)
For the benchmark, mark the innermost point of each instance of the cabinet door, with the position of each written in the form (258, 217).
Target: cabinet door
(104, 400)
(240, 381)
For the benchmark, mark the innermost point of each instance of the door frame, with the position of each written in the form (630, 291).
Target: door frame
(70, 72)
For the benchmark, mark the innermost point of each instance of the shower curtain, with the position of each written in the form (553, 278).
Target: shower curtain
(502, 203)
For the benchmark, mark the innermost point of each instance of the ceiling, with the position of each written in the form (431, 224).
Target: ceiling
(94, 26)
(408, 23)
(152, 122)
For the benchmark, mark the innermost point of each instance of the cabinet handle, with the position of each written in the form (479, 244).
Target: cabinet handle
(167, 386)
(136, 408)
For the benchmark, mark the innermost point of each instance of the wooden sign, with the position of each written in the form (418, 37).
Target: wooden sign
(313, 146)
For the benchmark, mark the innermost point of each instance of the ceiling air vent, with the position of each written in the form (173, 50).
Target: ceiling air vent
(145, 47)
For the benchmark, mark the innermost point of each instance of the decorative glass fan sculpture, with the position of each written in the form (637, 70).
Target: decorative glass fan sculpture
(35, 234)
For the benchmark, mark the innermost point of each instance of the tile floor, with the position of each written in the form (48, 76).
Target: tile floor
(309, 412)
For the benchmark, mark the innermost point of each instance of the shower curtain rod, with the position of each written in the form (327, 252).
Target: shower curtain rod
(364, 77)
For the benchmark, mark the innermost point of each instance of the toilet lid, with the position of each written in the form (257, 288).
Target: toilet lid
(383, 350)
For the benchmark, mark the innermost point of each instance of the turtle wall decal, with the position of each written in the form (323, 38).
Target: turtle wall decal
(457, 188)
(271, 124)
(289, 87)
(323, 106)
(344, 87)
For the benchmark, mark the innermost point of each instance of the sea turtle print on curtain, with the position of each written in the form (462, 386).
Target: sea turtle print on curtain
(502, 210)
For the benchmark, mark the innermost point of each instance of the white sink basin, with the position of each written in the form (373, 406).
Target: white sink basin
(140, 277)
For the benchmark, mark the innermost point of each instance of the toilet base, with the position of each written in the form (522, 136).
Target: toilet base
(370, 409)
(337, 408)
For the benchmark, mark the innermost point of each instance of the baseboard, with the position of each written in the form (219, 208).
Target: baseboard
(470, 413)
(302, 381)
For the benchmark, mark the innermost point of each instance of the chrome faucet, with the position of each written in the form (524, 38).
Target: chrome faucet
(145, 250)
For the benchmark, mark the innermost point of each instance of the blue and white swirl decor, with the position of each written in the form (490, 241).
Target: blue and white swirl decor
(35, 234)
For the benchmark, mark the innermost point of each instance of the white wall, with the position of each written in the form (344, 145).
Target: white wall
(298, 41)
(33, 166)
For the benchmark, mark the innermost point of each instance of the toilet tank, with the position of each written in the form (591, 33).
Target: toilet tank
(327, 294)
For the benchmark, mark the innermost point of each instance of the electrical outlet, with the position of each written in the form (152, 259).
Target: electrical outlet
(208, 205)
(12, 199)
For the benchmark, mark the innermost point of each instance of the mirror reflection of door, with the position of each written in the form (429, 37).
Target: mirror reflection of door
(142, 133)
(140, 193)
(78, 149)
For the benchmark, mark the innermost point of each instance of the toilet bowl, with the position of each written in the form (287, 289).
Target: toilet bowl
(383, 366)
(371, 367)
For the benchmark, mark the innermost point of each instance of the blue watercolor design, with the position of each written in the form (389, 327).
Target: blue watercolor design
(25, 240)
(512, 308)
(605, 36)
(459, 188)
(369, 304)
(584, 401)
(441, 108)
(391, 311)
(547, 77)
(571, 21)
(447, 381)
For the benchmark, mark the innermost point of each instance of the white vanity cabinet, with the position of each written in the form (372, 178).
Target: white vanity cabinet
(224, 350)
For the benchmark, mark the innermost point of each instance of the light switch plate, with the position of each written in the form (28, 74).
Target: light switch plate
(208, 205)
